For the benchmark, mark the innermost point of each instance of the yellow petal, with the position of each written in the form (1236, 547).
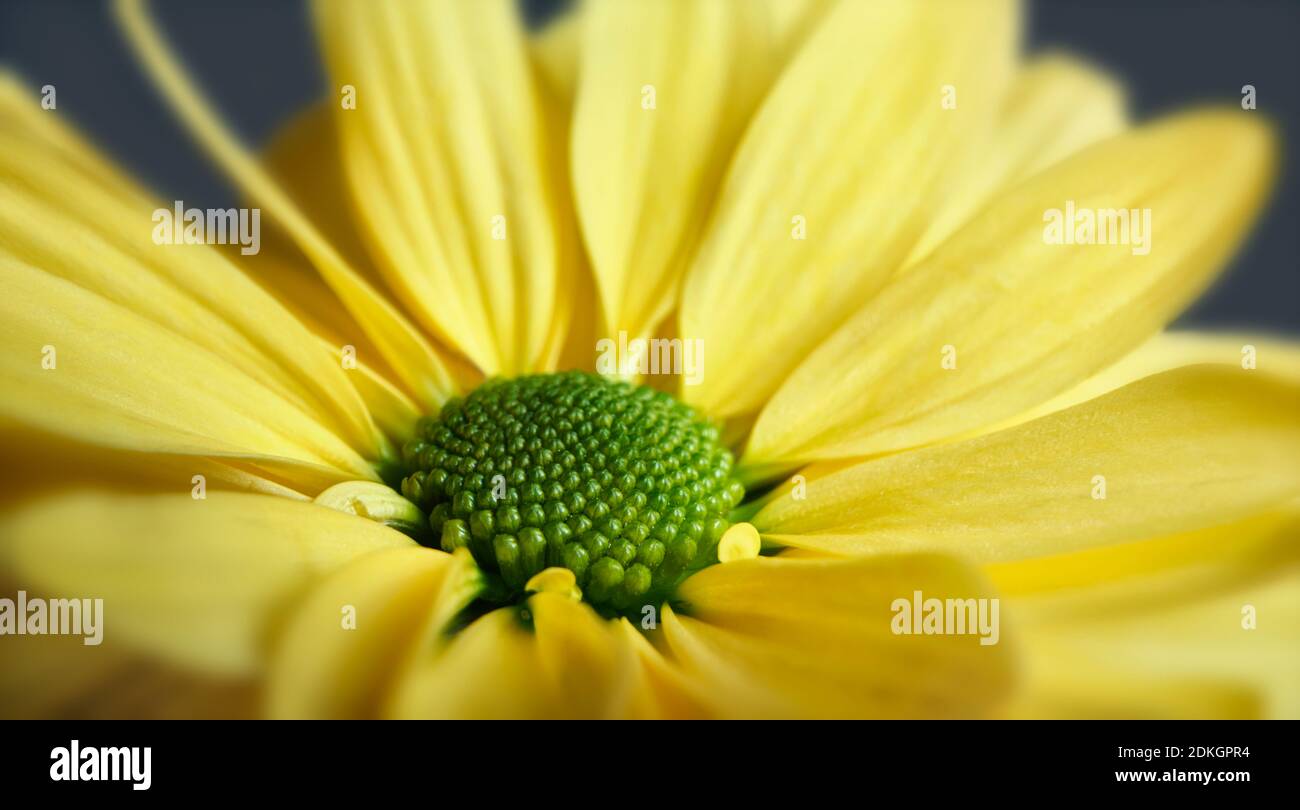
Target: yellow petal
(1053, 597)
(1063, 684)
(813, 638)
(65, 210)
(302, 157)
(557, 47)
(556, 50)
(1231, 650)
(663, 94)
(38, 462)
(659, 690)
(406, 351)
(834, 182)
(571, 338)
(1190, 448)
(445, 155)
(200, 582)
(348, 639)
(1150, 572)
(1169, 350)
(485, 673)
(78, 365)
(1057, 106)
(554, 658)
(60, 678)
(393, 411)
(998, 321)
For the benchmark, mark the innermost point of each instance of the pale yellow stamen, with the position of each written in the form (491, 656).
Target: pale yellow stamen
(740, 542)
(369, 499)
(555, 580)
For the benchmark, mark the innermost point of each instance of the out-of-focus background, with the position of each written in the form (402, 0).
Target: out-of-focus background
(258, 60)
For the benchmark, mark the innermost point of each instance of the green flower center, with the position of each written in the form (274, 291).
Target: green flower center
(623, 485)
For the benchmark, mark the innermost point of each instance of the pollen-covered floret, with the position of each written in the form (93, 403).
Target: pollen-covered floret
(623, 485)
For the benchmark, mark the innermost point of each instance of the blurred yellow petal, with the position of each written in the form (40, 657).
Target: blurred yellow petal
(78, 365)
(59, 677)
(665, 90)
(812, 638)
(1148, 572)
(1052, 597)
(1229, 651)
(52, 675)
(1062, 684)
(834, 181)
(556, 49)
(393, 411)
(66, 211)
(445, 156)
(997, 321)
(587, 663)
(347, 640)
(1190, 448)
(659, 689)
(552, 658)
(38, 462)
(305, 158)
(199, 582)
(489, 671)
(571, 337)
(1169, 350)
(1057, 105)
(405, 349)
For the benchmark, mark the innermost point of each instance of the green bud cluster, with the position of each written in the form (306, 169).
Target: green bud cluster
(623, 485)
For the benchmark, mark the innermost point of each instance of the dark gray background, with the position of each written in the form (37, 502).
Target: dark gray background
(258, 61)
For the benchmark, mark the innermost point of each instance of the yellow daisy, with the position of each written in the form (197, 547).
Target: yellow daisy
(368, 471)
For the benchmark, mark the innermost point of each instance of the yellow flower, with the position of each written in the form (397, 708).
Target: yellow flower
(844, 203)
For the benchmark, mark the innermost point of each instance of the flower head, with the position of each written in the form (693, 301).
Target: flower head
(372, 469)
